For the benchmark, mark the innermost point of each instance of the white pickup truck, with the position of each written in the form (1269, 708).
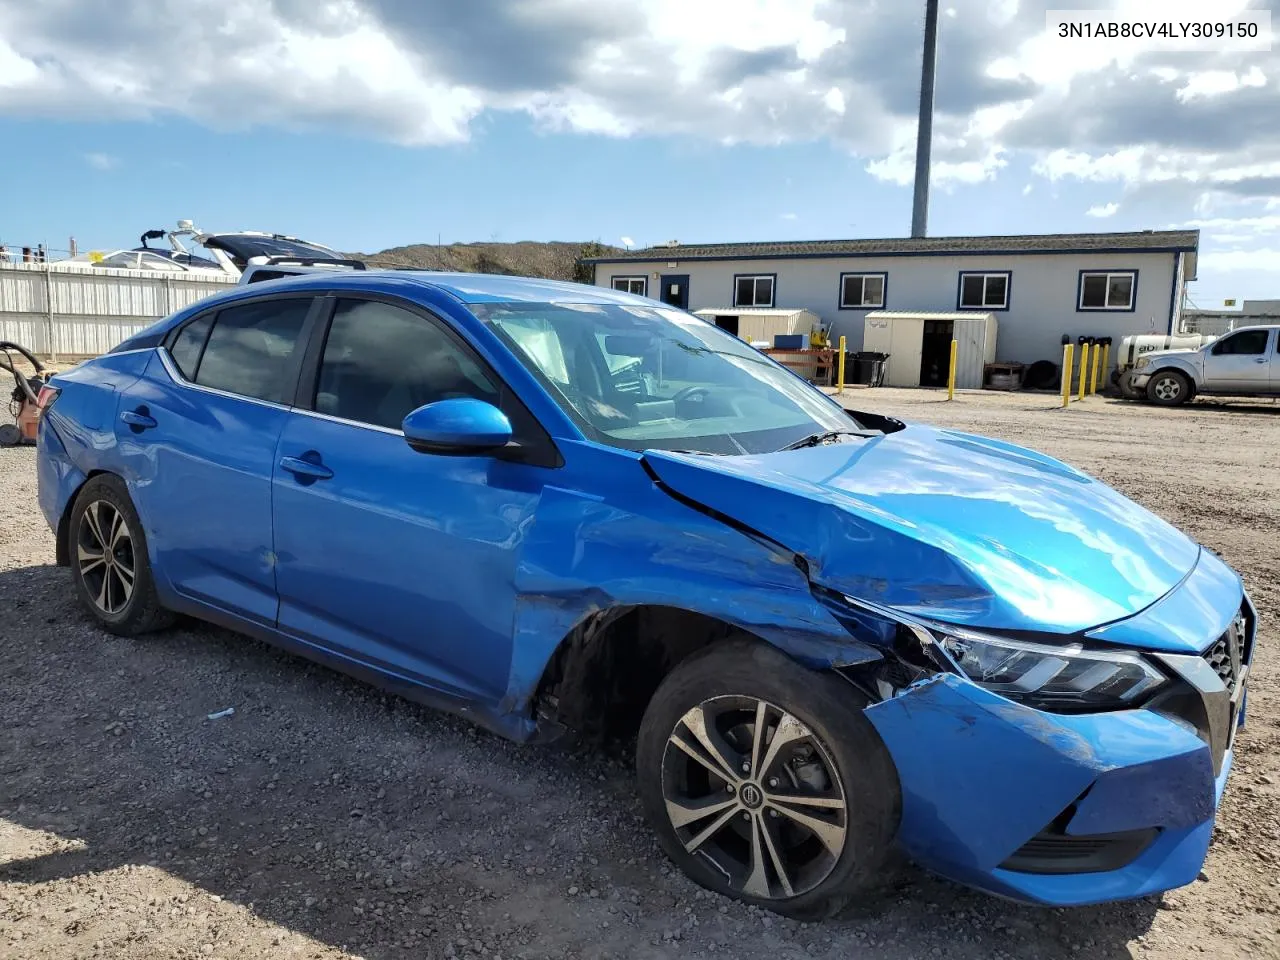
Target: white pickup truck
(1243, 363)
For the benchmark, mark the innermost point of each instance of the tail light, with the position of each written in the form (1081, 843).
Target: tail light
(45, 399)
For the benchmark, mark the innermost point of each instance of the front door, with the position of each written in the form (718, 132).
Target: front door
(197, 434)
(675, 290)
(398, 559)
(1240, 362)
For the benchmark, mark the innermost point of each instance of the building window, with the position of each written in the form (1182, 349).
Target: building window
(753, 290)
(984, 291)
(1107, 290)
(859, 290)
(637, 285)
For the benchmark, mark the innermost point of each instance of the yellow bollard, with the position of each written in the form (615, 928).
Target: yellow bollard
(951, 372)
(1084, 369)
(1093, 376)
(1068, 356)
(840, 366)
(1106, 365)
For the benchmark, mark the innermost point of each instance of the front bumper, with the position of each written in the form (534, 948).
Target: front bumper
(1066, 810)
(982, 777)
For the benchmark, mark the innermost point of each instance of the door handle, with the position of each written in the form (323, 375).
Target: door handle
(1261, 360)
(138, 419)
(305, 468)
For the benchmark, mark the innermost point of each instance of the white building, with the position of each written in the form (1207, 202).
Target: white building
(1040, 288)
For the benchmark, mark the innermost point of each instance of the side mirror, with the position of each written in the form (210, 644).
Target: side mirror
(462, 427)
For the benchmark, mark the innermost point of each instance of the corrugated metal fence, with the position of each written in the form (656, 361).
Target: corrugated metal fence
(60, 311)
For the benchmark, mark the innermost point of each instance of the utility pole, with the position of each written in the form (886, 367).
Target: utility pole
(924, 132)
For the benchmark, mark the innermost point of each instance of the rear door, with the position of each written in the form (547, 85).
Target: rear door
(1240, 362)
(198, 434)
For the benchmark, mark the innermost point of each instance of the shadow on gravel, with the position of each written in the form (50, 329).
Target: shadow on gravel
(370, 824)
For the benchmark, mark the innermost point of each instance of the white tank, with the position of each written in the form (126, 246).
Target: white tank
(1133, 347)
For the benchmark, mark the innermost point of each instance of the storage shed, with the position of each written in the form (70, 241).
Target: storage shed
(763, 324)
(919, 346)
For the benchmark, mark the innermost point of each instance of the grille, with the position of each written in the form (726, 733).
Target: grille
(1227, 655)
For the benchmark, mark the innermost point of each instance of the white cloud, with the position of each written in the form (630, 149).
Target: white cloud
(628, 242)
(1230, 261)
(101, 161)
(788, 216)
(421, 72)
(1102, 210)
(1212, 83)
(1064, 163)
(1251, 225)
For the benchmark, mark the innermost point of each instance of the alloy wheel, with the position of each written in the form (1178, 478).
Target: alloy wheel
(1167, 388)
(752, 790)
(104, 556)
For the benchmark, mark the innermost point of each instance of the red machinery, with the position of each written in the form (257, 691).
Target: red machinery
(28, 397)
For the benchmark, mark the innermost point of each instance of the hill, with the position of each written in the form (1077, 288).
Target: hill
(554, 260)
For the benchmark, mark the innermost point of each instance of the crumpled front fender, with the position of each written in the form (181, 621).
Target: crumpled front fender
(583, 555)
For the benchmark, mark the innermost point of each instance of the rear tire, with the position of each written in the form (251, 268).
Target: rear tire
(1169, 388)
(108, 553)
(798, 820)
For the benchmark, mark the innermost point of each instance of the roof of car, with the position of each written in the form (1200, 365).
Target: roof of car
(466, 287)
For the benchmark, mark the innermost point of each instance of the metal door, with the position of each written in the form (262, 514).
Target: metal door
(675, 290)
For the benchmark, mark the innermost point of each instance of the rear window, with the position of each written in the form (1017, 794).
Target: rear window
(189, 343)
(251, 349)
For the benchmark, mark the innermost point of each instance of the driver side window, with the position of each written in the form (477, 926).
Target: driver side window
(1249, 342)
(381, 362)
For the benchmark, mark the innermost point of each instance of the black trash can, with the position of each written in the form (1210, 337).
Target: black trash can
(868, 367)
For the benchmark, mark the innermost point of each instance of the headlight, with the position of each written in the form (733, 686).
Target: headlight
(1066, 678)
(1141, 362)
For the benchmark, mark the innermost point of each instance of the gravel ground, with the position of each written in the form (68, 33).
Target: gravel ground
(326, 820)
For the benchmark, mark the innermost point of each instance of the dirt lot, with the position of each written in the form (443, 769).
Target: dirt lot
(325, 820)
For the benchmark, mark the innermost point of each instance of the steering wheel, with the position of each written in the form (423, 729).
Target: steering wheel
(696, 394)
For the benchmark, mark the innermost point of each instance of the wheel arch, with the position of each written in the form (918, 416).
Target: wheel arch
(604, 671)
(62, 544)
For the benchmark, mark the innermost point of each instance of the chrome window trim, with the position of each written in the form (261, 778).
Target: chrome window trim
(350, 423)
(172, 369)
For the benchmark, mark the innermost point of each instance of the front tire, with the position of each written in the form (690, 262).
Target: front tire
(765, 782)
(1169, 388)
(109, 564)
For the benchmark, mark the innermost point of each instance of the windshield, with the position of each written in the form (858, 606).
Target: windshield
(653, 378)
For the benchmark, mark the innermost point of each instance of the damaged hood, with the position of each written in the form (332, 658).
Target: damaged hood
(948, 526)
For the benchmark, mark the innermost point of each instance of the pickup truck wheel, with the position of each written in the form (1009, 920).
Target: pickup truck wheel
(1169, 388)
(765, 782)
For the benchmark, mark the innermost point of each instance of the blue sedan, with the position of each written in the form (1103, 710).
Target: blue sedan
(554, 507)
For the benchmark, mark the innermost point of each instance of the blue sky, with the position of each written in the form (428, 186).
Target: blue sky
(350, 123)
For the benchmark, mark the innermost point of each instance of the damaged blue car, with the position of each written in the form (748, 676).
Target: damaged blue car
(548, 506)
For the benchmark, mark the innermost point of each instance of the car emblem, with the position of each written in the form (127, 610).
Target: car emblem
(751, 795)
